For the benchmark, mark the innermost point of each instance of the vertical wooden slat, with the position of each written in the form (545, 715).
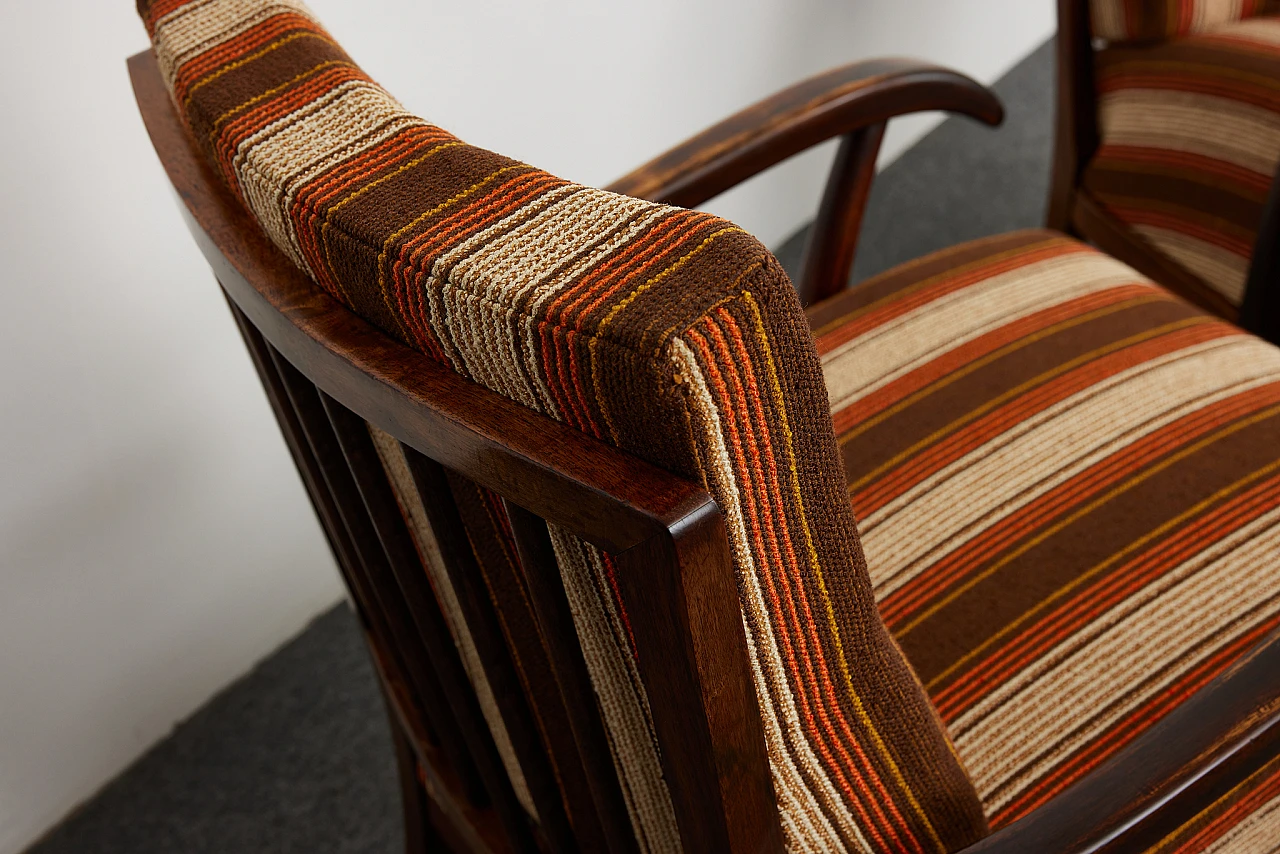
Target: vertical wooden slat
(372, 581)
(489, 536)
(485, 629)
(833, 238)
(551, 604)
(406, 572)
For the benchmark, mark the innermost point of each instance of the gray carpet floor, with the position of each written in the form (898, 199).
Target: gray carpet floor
(296, 755)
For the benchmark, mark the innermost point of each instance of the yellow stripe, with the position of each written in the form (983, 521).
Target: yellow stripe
(382, 255)
(245, 60)
(631, 297)
(1172, 838)
(816, 566)
(1039, 379)
(1093, 571)
(270, 92)
(946, 275)
(943, 382)
(1089, 508)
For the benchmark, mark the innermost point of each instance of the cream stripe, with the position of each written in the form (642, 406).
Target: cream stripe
(305, 143)
(198, 28)
(1161, 636)
(1264, 32)
(1221, 269)
(1256, 834)
(531, 259)
(623, 703)
(1210, 126)
(788, 746)
(882, 355)
(959, 502)
(397, 469)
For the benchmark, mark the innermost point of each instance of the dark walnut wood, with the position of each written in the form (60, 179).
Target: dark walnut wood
(326, 372)
(833, 238)
(825, 106)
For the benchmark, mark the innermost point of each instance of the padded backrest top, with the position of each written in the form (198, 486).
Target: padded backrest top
(1151, 20)
(668, 333)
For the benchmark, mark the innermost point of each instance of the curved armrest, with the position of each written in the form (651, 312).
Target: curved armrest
(830, 104)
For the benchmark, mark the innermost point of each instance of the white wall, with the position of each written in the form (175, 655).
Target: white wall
(154, 540)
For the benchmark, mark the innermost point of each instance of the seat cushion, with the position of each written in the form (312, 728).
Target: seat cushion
(1190, 139)
(1068, 488)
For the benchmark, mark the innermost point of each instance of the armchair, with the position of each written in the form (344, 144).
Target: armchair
(1168, 140)
(590, 474)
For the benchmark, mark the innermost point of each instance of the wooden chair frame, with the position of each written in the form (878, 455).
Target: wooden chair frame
(327, 373)
(1073, 210)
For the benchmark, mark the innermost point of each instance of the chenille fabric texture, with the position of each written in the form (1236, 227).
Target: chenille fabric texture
(669, 333)
(1149, 20)
(1190, 141)
(1068, 488)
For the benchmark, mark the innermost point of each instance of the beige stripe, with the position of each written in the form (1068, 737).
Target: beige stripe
(1220, 128)
(497, 270)
(307, 142)
(1211, 13)
(804, 817)
(402, 483)
(197, 28)
(882, 355)
(958, 503)
(624, 705)
(1221, 269)
(1257, 833)
(1263, 32)
(1159, 630)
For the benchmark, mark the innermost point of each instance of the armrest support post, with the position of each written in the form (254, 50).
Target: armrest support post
(828, 255)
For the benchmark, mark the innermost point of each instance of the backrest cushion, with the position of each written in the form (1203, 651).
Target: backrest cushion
(668, 333)
(1151, 20)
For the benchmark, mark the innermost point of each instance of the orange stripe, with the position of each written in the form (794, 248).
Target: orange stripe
(945, 366)
(1172, 222)
(964, 440)
(1100, 750)
(897, 304)
(1090, 602)
(766, 473)
(1190, 164)
(1035, 515)
(729, 408)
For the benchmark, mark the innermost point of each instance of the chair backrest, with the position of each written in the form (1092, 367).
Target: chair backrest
(574, 455)
(1153, 20)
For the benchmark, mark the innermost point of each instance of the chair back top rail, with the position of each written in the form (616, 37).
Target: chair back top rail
(608, 497)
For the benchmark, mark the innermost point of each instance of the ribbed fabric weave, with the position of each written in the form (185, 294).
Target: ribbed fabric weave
(1068, 485)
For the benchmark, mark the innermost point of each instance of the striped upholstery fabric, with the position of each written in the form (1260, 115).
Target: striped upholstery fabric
(1134, 20)
(1245, 819)
(668, 333)
(1068, 487)
(1190, 140)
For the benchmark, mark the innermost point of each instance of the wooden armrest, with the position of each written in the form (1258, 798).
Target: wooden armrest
(830, 104)
(1214, 740)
